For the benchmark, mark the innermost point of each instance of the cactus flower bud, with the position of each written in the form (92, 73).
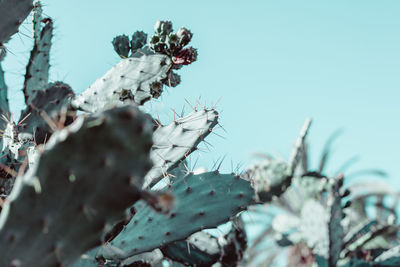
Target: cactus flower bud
(185, 56)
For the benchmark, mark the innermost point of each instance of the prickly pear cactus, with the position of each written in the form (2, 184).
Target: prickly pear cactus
(202, 201)
(61, 208)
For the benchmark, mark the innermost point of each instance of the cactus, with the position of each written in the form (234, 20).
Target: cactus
(327, 224)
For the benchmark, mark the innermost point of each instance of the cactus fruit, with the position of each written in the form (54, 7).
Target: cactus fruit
(270, 178)
(202, 201)
(131, 78)
(37, 71)
(139, 39)
(12, 14)
(4, 107)
(61, 208)
(49, 109)
(121, 45)
(174, 142)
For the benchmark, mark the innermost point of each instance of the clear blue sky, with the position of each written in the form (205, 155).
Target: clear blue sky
(273, 63)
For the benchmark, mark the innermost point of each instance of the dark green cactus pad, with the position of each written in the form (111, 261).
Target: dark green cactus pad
(121, 45)
(37, 70)
(78, 189)
(132, 79)
(363, 235)
(151, 259)
(49, 104)
(139, 39)
(175, 141)
(200, 249)
(12, 14)
(201, 201)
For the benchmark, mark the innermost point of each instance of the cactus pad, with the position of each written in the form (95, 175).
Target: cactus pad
(77, 190)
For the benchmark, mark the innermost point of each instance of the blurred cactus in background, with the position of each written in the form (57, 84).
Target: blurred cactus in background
(91, 179)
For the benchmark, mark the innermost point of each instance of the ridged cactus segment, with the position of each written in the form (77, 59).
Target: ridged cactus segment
(134, 79)
(37, 71)
(12, 14)
(121, 45)
(202, 201)
(4, 106)
(389, 258)
(52, 103)
(199, 249)
(78, 190)
(174, 142)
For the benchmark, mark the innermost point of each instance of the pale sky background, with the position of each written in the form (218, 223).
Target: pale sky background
(272, 63)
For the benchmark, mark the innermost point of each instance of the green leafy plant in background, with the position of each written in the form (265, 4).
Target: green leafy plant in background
(91, 179)
(319, 221)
